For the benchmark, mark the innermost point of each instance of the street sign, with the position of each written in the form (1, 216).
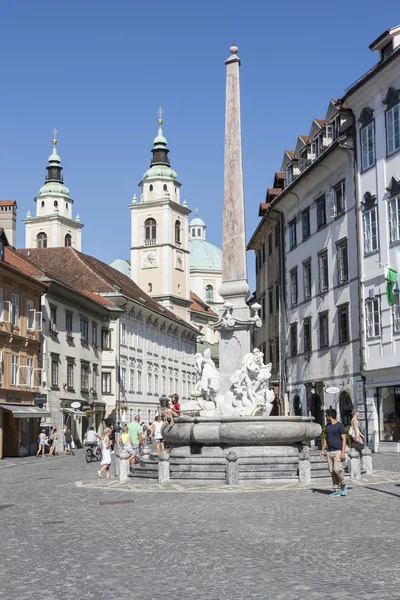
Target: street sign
(39, 398)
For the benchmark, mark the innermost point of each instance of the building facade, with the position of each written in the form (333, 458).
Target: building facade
(20, 360)
(375, 102)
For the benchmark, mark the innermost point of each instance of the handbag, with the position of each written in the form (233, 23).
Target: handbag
(72, 444)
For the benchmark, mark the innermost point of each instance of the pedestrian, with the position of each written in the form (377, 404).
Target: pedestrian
(68, 441)
(54, 438)
(357, 438)
(112, 438)
(42, 442)
(149, 432)
(136, 437)
(118, 431)
(174, 411)
(335, 442)
(125, 443)
(157, 435)
(106, 454)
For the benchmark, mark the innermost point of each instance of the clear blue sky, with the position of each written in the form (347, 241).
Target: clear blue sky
(98, 70)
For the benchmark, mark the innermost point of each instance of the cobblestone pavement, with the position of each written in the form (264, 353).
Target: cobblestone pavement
(61, 538)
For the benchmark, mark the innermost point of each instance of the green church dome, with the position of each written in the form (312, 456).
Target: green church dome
(156, 171)
(54, 187)
(197, 222)
(204, 256)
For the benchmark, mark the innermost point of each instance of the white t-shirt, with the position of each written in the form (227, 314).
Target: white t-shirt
(157, 430)
(91, 436)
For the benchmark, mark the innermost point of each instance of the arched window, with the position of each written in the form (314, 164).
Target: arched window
(68, 240)
(150, 287)
(55, 204)
(151, 188)
(193, 232)
(199, 232)
(66, 205)
(41, 240)
(150, 229)
(42, 204)
(165, 187)
(177, 232)
(209, 293)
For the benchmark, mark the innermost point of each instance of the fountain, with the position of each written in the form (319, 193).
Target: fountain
(226, 433)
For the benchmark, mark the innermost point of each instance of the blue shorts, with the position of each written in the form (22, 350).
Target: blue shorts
(68, 445)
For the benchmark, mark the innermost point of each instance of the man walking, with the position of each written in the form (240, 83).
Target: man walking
(335, 440)
(135, 437)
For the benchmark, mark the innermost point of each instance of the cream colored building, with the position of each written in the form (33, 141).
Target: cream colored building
(53, 225)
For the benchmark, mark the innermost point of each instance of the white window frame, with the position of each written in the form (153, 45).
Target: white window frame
(370, 221)
(342, 262)
(106, 379)
(373, 318)
(307, 280)
(15, 310)
(131, 380)
(139, 382)
(70, 375)
(149, 383)
(396, 315)
(367, 140)
(394, 219)
(14, 369)
(294, 288)
(393, 123)
(323, 281)
(123, 334)
(123, 377)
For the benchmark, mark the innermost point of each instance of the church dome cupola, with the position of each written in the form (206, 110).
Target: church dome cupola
(54, 183)
(197, 228)
(160, 165)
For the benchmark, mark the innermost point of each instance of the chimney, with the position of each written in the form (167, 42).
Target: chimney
(8, 220)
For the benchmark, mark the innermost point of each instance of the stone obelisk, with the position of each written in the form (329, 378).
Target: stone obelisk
(235, 321)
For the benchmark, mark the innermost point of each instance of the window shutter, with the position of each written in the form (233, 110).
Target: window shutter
(330, 205)
(369, 320)
(392, 221)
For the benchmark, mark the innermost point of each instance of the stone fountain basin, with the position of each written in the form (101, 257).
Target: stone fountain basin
(240, 431)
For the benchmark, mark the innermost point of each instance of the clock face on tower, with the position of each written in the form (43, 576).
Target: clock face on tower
(179, 261)
(149, 259)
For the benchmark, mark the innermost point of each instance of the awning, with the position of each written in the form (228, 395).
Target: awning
(25, 411)
(74, 411)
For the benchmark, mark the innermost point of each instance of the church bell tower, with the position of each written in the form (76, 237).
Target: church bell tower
(159, 233)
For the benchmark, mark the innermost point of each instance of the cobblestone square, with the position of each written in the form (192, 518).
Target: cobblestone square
(64, 537)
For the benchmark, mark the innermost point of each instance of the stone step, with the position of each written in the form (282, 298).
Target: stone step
(268, 468)
(259, 476)
(215, 476)
(198, 468)
(142, 473)
(269, 460)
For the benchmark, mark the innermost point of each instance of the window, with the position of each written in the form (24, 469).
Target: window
(292, 234)
(209, 293)
(193, 232)
(343, 323)
(54, 372)
(29, 372)
(370, 231)
(30, 314)
(84, 330)
(53, 320)
(85, 376)
(288, 175)
(15, 310)
(150, 232)
(149, 340)
(387, 50)
(164, 385)
(307, 280)
(307, 334)
(68, 240)
(277, 297)
(94, 379)
(177, 232)
(199, 232)
(373, 318)
(14, 369)
(321, 212)
(150, 188)
(323, 331)
(68, 323)
(269, 244)
(70, 375)
(106, 383)
(367, 135)
(343, 269)
(394, 219)
(95, 340)
(271, 302)
(303, 160)
(123, 378)
(396, 315)
(323, 271)
(338, 194)
(123, 333)
(105, 339)
(139, 338)
(293, 287)
(393, 129)
(156, 383)
(41, 240)
(55, 204)
(131, 380)
(293, 339)
(139, 382)
(165, 187)
(305, 220)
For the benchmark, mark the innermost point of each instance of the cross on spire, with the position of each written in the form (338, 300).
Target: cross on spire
(160, 114)
(55, 131)
(196, 211)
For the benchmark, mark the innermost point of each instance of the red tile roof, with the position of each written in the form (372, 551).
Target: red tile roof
(321, 122)
(8, 202)
(16, 263)
(84, 272)
(290, 152)
(305, 138)
(200, 306)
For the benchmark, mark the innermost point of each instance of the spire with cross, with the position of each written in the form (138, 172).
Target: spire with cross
(55, 131)
(160, 113)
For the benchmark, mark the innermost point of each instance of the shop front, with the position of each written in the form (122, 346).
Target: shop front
(19, 428)
(389, 413)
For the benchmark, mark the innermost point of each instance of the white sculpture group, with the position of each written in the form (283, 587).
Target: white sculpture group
(248, 395)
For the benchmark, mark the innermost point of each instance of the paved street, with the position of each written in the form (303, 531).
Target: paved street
(60, 541)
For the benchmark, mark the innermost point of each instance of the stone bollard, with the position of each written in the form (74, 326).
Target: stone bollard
(163, 468)
(367, 461)
(304, 466)
(355, 464)
(232, 469)
(124, 466)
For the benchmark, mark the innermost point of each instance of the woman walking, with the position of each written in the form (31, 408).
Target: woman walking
(357, 438)
(54, 438)
(157, 435)
(42, 443)
(106, 452)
